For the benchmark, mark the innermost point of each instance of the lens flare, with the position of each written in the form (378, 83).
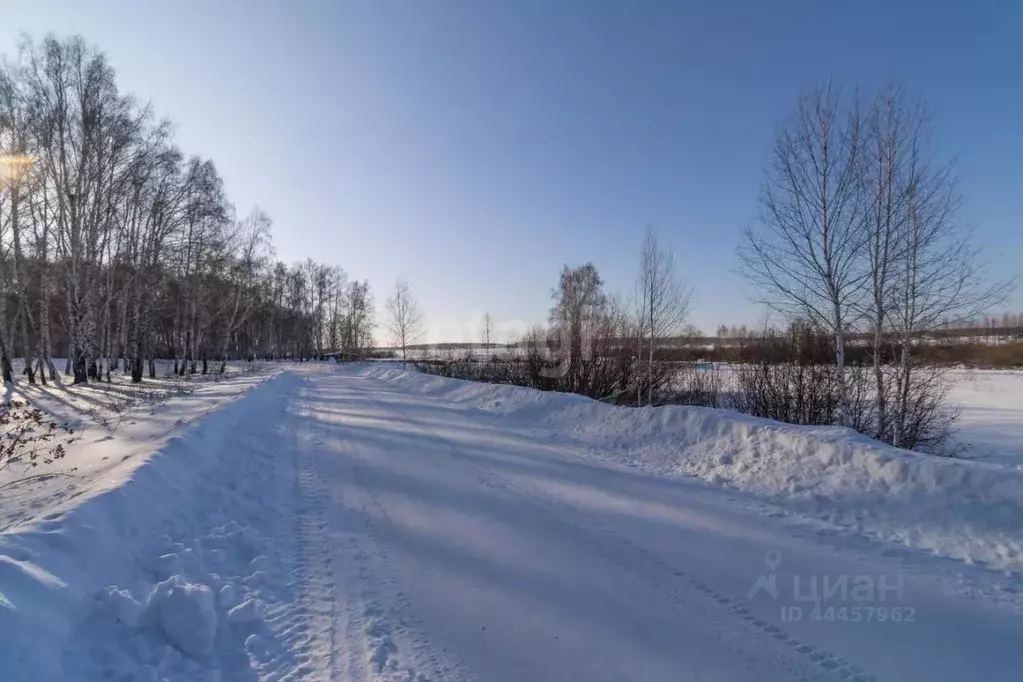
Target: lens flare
(13, 167)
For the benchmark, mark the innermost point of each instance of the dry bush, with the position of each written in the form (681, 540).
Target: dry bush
(694, 384)
(29, 437)
(786, 376)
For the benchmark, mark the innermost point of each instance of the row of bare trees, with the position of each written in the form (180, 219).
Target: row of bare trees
(860, 233)
(595, 343)
(117, 249)
(308, 310)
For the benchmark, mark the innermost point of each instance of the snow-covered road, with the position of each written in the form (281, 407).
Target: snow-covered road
(461, 546)
(343, 527)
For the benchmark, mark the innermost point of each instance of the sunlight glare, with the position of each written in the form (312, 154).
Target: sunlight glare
(14, 166)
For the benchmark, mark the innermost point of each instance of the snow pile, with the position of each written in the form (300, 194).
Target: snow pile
(184, 630)
(960, 509)
(185, 614)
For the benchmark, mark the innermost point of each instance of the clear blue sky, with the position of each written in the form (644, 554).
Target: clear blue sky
(475, 146)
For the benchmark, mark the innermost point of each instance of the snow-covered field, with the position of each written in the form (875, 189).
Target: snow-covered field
(314, 522)
(991, 414)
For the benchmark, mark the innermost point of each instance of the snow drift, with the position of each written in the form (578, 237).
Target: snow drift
(99, 576)
(960, 509)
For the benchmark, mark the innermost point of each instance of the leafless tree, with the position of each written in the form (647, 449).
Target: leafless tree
(578, 302)
(923, 269)
(892, 135)
(860, 225)
(663, 301)
(937, 277)
(486, 330)
(404, 318)
(357, 318)
(252, 237)
(805, 256)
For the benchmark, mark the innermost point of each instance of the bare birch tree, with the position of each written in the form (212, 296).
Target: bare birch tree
(404, 318)
(891, 135)
(356, 318)
(252, 240)
(663, 301)
(579, 303)
(805, 255)
(486, 330)
(938, 278)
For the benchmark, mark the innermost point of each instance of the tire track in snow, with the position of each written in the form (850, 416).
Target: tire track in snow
(420, 646)
(326, 634)
(392, 646)
(349, 599)
(683, 587)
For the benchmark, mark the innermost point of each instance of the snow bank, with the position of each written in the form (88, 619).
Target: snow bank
(103, 577)
(960, 509)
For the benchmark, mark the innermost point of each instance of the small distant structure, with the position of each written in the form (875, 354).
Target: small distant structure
(343, 356)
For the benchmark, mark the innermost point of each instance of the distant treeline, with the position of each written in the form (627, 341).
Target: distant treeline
(946, 351)
(982, 348)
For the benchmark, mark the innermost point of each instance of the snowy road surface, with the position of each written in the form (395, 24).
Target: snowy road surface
(488, 552)
(365, 532)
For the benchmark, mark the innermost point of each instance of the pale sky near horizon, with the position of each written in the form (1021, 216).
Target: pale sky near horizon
(473, 147)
